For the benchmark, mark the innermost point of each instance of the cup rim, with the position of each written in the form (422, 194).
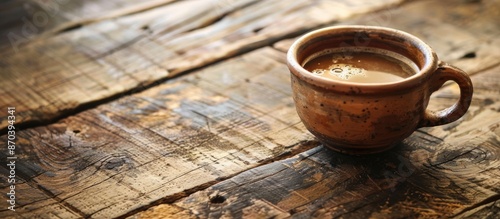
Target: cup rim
(430, 63)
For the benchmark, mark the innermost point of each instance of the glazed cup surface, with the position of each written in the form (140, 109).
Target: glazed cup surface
(361, 118)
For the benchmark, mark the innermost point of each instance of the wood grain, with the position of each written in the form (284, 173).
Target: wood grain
(38, 202)
(24, 21)
(110, 58)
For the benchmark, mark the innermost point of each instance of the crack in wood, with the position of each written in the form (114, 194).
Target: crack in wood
(486, 201)
(300, 147)
(435, 139)
(72, 25)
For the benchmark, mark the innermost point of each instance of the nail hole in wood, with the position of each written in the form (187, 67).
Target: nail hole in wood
(218, 199)
(469, 55)
(256, 30)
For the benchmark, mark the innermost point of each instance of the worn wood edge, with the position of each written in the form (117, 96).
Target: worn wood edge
(71, 25)
(68, 23)
(475, 208)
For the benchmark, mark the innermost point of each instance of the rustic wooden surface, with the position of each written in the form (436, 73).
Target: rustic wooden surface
(174, 109)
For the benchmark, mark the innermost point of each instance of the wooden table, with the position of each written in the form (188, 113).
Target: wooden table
(183, 109)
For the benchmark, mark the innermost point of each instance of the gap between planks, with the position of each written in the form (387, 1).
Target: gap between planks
(134, 9)
(298, 148)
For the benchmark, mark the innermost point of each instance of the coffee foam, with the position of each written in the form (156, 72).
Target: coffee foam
(343, 71)
(343, 53)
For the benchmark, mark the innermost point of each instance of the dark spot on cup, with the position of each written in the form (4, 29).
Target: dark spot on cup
(321, 104)
(472, 1)
(354, 91)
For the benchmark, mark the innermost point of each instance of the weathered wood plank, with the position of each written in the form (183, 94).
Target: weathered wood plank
(168, 141)
(107, 58)
(456, 35)
(429, 175)
(24, 21)
(61, 72)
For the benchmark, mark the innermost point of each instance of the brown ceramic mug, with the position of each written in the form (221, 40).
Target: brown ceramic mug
(363, 118)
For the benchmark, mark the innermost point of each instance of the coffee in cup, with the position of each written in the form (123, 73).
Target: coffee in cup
(360, 65)
(363, 89)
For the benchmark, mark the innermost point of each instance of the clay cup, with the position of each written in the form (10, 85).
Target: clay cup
(365, 118)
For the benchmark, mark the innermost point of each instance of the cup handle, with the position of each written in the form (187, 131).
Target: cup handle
(444, 73)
